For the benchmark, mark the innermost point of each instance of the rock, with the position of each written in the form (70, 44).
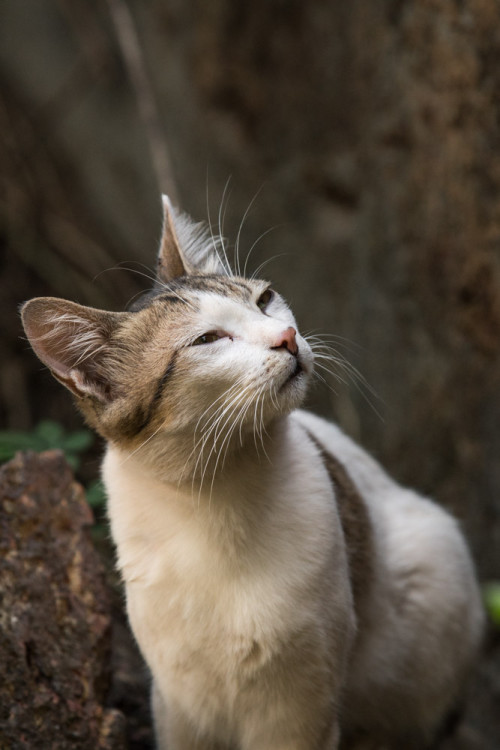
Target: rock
(55, 623)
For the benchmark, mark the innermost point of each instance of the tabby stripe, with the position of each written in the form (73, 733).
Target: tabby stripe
(143, 416)
(172, 299)
(148, 298)
(356, 525)
(209, 283)
(159, 389)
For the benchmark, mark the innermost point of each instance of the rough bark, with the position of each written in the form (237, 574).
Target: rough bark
(374, 127)
(55, 625)
(371, 130)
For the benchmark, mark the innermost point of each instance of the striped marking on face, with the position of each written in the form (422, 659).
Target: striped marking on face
(356, 525)
(172, 293)
(180, 292)
(147, 299)
(139, 419)
(226, 287)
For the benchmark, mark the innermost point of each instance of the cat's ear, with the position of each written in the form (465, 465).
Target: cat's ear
(186, 247)
(171, 260)
(72, 340)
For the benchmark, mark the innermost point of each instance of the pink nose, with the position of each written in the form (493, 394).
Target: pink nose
(286, 340)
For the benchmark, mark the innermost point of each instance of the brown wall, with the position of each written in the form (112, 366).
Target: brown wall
(370, 132)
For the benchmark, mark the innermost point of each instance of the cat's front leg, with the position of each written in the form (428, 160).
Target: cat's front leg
(173, 731)
(292, 702)
(297, 720)
(302, 739)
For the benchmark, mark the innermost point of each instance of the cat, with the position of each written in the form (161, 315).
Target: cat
(284, 591)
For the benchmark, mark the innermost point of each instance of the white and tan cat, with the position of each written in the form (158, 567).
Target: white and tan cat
(284, 591)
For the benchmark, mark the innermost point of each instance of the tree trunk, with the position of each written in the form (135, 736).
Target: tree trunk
(371, 130)
(55, 629)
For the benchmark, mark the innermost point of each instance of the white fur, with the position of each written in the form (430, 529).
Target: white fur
(235, 562)
(229, 539)
(427, 613)
(209, 577)
(201, 248)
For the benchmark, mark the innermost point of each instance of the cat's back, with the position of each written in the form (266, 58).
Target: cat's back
(401, 519)
(423, 618)
(413, 537)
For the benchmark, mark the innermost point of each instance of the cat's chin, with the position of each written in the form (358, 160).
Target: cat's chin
(297, 372)
(292, 391)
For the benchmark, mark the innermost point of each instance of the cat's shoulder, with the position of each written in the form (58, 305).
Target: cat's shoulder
(363, 469)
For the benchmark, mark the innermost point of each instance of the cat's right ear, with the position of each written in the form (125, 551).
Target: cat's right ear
(73, 341)
(171, 260)
(187, 247)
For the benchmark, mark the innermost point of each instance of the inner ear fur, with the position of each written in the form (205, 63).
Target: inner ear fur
(187, 247)
(73, 341)
(171, 260)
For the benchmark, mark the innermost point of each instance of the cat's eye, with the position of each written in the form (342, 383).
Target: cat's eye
(264, 299)
(206, 338)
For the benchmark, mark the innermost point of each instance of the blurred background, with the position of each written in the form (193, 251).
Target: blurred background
(354, 149)
(360, 144)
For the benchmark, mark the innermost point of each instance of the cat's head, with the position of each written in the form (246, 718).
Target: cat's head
(204, 352)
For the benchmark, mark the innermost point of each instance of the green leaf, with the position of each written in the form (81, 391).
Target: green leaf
(6, 454)
(74, 461)
(13, 440)
(491, 593)
(47, 435)
(96, 494)
(51, 433)
(78, 441)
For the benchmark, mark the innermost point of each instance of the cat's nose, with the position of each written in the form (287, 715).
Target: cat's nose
(286, 340)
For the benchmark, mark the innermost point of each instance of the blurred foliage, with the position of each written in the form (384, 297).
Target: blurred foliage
(491, 593)
(47, 435)
(96, 494)
(50, 435)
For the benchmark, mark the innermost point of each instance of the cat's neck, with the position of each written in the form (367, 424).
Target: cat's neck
(145, 499)
(198, 465)
(230, 521)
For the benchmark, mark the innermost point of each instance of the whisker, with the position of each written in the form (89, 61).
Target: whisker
(359, 385)
(122, 267)
(254, 245)
(142, 445)
(333, 373)
(264, 264)
(336, 338)
(221, 218)
(212, 423)
(261, 426)
(239, 419)
(217, 242)
(227, 437)
(217, 427)
(240, 229)
(331, 360)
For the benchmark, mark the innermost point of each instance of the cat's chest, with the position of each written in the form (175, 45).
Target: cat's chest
(227, 585)
(206, 621)
(205, 582)
(267, 525)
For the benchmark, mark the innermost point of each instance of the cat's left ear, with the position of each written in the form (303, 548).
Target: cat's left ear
(186, 247)
(74, 342)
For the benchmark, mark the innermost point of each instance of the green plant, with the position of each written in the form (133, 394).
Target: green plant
(50, 435)
(491, 593)
(47, 435)
(96, 494)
